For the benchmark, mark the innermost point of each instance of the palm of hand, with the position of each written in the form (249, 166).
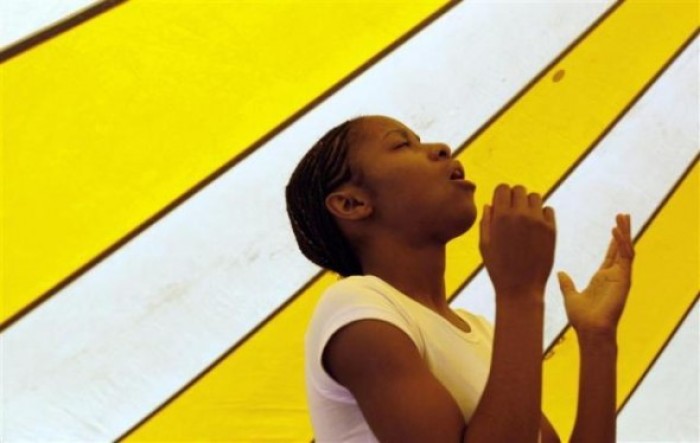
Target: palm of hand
(600, 305)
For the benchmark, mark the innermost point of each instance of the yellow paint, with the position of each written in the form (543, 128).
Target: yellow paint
(264, 402)
(552, 125)
(107, 123)
(664, 285)
(534, 143)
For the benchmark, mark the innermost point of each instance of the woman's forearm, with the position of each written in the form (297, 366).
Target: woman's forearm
(510, 407)
(596, 412)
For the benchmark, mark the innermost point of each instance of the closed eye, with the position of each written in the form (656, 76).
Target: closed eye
(403, 144)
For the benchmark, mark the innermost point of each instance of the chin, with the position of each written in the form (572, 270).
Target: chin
(462, 224)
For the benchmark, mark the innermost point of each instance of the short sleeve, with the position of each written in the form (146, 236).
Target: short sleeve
(482, 324)
(342, 304)
(488, 325)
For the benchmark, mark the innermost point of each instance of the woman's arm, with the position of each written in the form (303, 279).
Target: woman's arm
(596, 412)
(594, 314)
(402, 400)
(510, 407)
(517, 242)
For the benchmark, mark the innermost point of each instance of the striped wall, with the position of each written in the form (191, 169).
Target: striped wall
(151, 286)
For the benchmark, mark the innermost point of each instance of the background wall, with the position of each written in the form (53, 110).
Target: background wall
(151, 286)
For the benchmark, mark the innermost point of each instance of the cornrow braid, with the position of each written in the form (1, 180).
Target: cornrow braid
(320, 171)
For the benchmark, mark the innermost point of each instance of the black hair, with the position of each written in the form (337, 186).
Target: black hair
(324, 167)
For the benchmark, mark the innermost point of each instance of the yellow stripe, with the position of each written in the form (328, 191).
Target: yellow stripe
(257, 392)
(108, 123)
(664, 285)
(264, 401)
(39, 26)
(560, 118)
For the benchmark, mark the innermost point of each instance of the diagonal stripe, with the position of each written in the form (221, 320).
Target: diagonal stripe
(664, 285)
(265, 401)
(26, 23)
(608, 166)
(155, 323)
(267, 369)
(204, 82)
(666, 406)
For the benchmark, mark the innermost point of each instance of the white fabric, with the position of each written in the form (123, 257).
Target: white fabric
(459, 360)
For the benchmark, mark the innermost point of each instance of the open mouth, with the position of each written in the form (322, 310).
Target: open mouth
(465, 183)
(457, 174)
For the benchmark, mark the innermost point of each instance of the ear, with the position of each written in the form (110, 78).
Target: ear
(349, 204)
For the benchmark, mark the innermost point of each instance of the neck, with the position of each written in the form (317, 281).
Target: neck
(417, 271)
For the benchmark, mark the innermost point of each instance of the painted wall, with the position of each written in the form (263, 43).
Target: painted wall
(152, 289)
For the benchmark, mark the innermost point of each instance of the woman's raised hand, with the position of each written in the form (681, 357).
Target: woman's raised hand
(598, 308)
(517, 241)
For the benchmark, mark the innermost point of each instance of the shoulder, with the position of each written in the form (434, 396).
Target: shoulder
(350, 301)
(359, 296)
(355, 288)
(356, 298)
(397, 393)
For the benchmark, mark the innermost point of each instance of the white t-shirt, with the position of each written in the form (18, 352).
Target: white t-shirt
(459, 360)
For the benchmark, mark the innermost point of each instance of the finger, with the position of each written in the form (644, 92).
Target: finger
(620, 228)
(624, 229)
(486, 225)
(624, 222)
(621, 221)
(610, 255)
(519, 199)
(629, 235)
(625, 253)
(549, 216)
(535, 201)
(566, 284)
(501, 198)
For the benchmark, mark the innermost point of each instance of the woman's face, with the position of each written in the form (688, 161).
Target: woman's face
(408, 182)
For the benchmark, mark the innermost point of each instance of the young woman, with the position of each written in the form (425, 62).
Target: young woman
(387, 359)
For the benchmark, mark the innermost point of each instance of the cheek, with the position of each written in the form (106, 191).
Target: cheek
(408, 194)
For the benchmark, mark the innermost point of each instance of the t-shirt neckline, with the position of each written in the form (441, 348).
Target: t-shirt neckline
(471, 336)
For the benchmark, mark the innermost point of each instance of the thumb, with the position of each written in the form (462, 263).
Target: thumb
(566, 284)
(486, 225)
(485, 231)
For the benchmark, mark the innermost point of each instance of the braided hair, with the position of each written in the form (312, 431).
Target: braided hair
(321, 171)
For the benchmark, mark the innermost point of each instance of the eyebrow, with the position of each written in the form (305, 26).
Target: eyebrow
(400, 131)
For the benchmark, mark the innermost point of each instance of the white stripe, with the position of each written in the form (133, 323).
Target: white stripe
(630, 171)
(107, 350)
(665, 406)
(24, 18)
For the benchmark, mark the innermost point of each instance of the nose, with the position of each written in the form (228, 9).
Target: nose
(440, 151)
